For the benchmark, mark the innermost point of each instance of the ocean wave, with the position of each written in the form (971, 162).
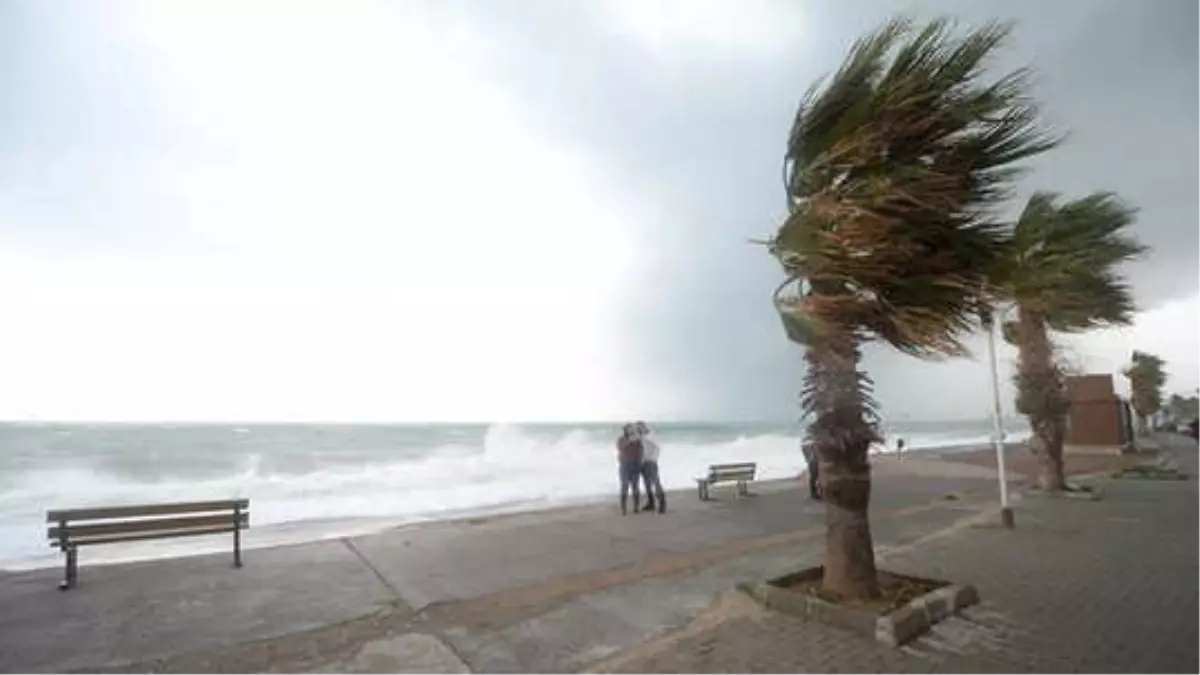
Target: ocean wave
(511, 464)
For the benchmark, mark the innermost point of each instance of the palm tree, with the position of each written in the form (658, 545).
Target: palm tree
(1183, 408)
(1175, 405)
(890, 169)
(1060, 270)
(1146, 380)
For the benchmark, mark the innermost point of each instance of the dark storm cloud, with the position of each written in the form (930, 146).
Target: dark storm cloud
(700, 136)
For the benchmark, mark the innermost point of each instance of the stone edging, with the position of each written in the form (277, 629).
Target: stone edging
(1093, 495)
(920, 614)
(893, 629)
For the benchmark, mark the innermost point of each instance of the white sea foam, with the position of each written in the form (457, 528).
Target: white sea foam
(509, 469)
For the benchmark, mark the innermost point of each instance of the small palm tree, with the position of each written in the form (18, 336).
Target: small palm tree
(1060, 270)
(1146, 380)
(890, 169)
(1175, 405)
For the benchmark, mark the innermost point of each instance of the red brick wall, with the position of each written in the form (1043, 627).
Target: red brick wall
(1090, 388)
(1095, 423)
(1095, 418)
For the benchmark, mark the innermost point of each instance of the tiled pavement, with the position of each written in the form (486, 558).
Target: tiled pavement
(1105, 586)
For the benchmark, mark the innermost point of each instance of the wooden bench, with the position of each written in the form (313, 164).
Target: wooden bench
(741, 474)
(83, 527)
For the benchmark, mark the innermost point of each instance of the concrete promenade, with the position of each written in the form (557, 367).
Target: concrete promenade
(583, 588)
(544, 591)
(1077, 587)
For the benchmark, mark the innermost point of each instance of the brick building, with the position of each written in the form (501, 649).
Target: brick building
(1099, 422)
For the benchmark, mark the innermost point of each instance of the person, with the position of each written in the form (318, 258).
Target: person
(629, 460)
(1194, 429)
(654, 488)
(900, 446)
(814, 472)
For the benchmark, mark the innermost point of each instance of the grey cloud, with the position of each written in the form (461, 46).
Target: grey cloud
(702, 140)
(698, 138)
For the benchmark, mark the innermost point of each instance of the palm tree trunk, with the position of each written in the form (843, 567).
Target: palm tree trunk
(1048, 447)
(836, 392)
(1042, 398)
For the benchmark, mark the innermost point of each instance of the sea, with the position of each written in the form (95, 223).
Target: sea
(315, 481)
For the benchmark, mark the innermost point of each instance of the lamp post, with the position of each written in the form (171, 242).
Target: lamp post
(1006, 513)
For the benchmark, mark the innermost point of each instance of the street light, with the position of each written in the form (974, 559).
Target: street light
(1006, 513)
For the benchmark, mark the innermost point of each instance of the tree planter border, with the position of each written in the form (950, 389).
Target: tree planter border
(1150, 473)
(1074, 491)
(893, 628)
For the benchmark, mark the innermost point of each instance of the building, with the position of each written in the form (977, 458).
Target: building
(1099, 421)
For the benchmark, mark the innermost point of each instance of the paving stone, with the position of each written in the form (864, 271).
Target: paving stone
(408, 653)
(1098, 586)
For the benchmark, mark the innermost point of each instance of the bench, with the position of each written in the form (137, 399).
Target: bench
(727, 473)
(83, 527)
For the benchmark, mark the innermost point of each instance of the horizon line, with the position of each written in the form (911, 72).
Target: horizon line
(435, 422)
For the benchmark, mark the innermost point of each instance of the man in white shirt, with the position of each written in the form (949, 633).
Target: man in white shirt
(654, 488)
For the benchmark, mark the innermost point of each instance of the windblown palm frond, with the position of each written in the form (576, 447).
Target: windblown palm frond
(892, 168)
(1060, 267)
(1062, 261)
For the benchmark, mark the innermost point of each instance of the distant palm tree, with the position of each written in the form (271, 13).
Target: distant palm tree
(1146, 379)
(890, 169)
(1060, 270)
(1174, 405)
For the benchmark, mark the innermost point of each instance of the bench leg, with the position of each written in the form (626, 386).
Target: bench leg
(237, 536)
(71, 572)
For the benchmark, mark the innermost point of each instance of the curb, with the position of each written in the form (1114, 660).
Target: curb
(1093, 495)
(893, 629)
(920, 614)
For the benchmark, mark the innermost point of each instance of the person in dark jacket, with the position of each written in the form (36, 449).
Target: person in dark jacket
(629, 461)
(814, 470)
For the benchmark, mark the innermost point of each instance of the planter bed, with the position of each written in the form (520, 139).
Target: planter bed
(907, 607)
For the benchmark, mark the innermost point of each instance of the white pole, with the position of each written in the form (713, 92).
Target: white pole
(1006, 514)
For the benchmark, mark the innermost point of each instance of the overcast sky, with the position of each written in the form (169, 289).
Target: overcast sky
(495, 209)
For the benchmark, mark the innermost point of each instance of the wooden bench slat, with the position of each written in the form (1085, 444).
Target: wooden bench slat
(722, 471)
(79, 532)
(731, 475)
(139, 536)
(144, 510)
